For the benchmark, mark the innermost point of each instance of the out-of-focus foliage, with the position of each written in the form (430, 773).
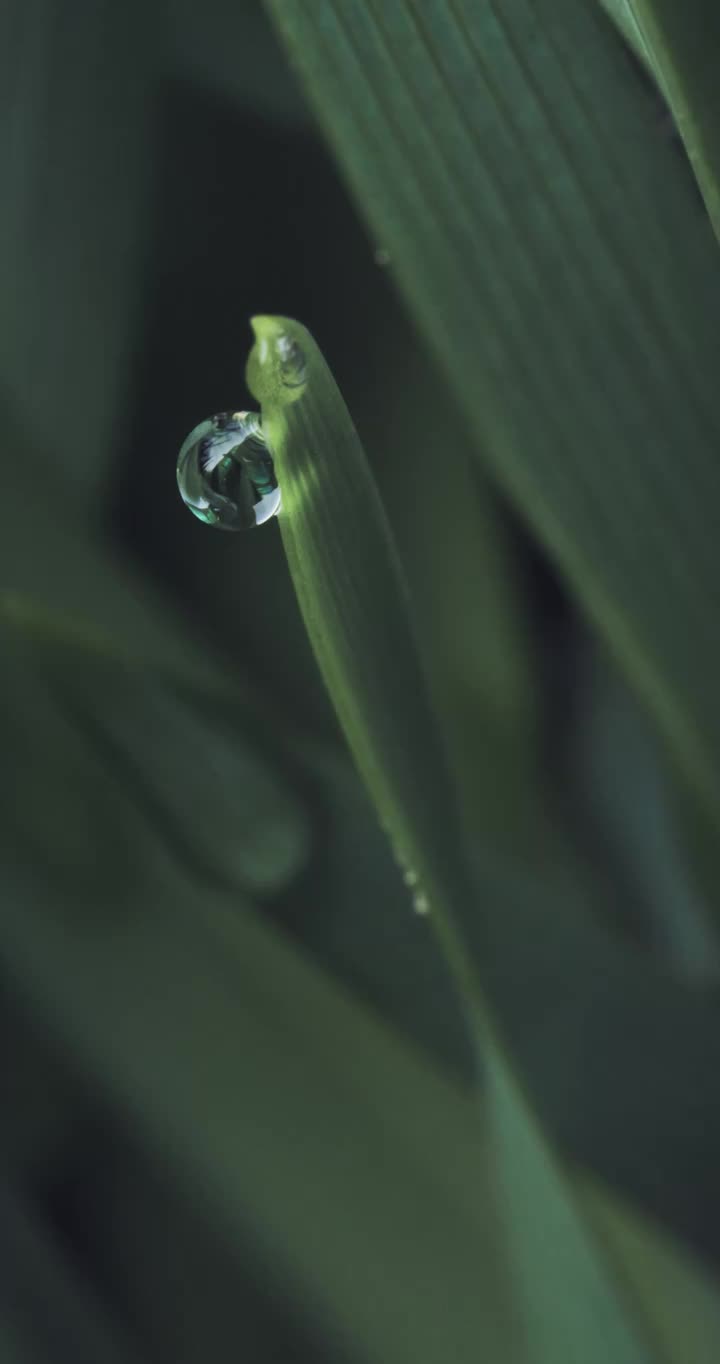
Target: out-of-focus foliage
(240, 1106)
(679, 43)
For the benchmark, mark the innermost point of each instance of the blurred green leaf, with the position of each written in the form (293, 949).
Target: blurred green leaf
(622, 14)
(216, 790)
(254, 1078)
(76, 152)
(677, 1293)
(192, 1292)
(61, 813)
(59, 579)
(537, 241)
(682, 42)
(622, 812)
(49, 1313)
(79, 727)
(368, 1182)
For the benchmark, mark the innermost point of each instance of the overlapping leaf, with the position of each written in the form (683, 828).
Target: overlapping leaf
(276, 1104)
(682, 43)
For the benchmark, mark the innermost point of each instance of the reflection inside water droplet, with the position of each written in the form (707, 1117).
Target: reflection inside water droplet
(293, 364)
(226, 474)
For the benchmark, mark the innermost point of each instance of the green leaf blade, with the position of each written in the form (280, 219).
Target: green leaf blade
(352, 596)
(350, 590)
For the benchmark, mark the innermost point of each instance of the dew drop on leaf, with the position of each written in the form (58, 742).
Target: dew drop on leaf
(420, 902)
(225, 472)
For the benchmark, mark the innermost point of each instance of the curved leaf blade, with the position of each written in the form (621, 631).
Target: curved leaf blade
(354, 602)
(350, 589)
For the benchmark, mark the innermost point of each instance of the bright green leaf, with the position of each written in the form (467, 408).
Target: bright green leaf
(351, 594)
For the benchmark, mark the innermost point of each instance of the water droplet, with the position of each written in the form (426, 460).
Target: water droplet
(293, 364)
(421, 904)
(225, 472)
(420, 901)
(381, 256)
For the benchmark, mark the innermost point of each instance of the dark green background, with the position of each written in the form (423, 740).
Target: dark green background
(162, 183)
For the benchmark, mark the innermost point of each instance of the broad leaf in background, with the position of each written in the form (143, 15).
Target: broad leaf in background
(286, 1115)
(74, 188)
(221, 800)
(293, 1117)
(44, 1305)
(532, 213)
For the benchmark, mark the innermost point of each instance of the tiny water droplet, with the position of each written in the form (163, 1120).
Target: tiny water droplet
(226, 474)
(410, 877)
(381, 256)
(421, 904)
(293, 363)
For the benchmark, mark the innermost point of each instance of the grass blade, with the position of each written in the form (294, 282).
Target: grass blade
(343, 562)
(350, 590)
